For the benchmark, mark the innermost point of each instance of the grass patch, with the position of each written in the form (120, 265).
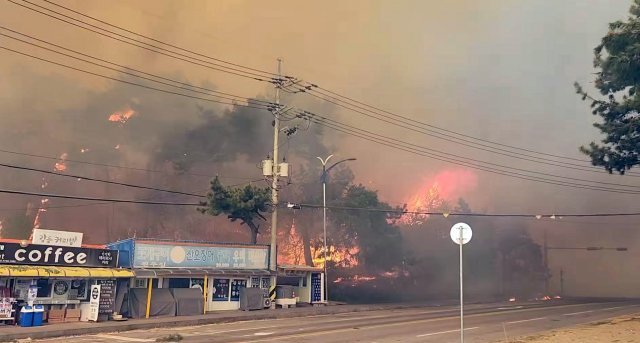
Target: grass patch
(176, 337)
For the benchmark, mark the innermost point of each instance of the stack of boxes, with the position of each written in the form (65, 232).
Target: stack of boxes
(73, 315)
(56, 316)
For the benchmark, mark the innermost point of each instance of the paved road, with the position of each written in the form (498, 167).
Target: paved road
(483, 324)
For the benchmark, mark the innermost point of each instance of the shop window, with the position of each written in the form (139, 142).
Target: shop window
(197, 283)
(44, 288)
(79, 289)
(179, 283)
(266, 282)
(140, 283)
(255, 282)
(220, 290)
(21, 288)
(236, 284)
(289, 280)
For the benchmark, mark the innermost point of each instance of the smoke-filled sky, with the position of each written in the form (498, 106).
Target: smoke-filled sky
(498, 70)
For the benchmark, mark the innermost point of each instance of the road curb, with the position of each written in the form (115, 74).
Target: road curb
(84, 328)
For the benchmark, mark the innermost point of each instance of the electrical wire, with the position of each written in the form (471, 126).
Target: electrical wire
(233, 97)
(118, 166)
(308, 87)
(79, 177)
(466, 158)
(126, 201)
(161, 42)
(482, 147)
(513, 215)
(153, 48)
(338, 97)
(420, 152)
(209, 93)
(128, 82)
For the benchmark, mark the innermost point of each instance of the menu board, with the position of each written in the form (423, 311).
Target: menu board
(220, 289)
(107, 296)
(6, 305)
(316, 287)
(235, 288)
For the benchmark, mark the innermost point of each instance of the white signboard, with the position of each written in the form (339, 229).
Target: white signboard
(94, 303)
(461, 231)
(57, 238)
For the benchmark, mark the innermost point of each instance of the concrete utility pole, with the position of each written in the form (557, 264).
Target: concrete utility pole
(273, 259)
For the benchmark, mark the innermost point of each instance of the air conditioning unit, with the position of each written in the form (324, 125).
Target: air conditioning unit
(251, 299)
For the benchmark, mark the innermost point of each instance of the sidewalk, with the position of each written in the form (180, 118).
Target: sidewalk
(9, 333)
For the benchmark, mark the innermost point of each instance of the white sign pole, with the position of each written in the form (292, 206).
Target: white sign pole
(461, 240)
(461, 234)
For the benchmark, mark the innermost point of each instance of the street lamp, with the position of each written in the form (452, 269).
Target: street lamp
(325, 172)
(546, 260)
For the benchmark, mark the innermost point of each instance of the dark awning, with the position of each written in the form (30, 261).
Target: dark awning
(155, 272)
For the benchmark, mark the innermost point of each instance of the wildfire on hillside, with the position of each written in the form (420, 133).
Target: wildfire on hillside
(438, 194)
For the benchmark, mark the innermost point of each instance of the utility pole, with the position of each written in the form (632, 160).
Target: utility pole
(273, 259)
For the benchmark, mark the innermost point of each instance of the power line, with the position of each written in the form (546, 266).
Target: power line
(313, 87)
(470, 165)
(247, 100)
(78, 177)
(514, 215)
(443, 156)
(126, 201)
(128, 82)
(153, 48)
(338, 97)
(118, 166)
(195, 97)
(109, 203)
(232, 96)
(161, 42)
(474, 145)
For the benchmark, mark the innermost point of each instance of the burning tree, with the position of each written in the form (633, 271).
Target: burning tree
(246, 204)
(373, 231)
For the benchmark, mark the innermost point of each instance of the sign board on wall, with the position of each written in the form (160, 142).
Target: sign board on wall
(57, 238)
(94, 303)
(107, 296)
(14, 253)
(168, 256)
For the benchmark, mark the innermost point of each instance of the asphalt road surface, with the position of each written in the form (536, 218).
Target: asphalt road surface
(483, 323)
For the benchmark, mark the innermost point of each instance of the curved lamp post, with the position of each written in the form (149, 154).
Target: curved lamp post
(325, 172)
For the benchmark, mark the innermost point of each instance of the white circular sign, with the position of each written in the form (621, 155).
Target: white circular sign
(466, 233)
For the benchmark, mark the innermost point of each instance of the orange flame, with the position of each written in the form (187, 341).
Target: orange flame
(122, 116)
(440, 190)
(61, 166)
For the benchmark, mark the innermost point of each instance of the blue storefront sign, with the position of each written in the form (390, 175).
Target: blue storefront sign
(149, 255)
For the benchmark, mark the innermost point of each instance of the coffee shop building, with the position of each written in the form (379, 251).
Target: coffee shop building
(58, 277)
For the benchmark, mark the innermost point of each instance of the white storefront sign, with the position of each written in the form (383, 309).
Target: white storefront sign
(94, 303)
(57, 238)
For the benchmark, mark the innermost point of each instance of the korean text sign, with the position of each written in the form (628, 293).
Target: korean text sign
(186, 256)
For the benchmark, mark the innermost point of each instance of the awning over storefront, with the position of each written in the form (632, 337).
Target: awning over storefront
(51, 271)
(155, 272)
